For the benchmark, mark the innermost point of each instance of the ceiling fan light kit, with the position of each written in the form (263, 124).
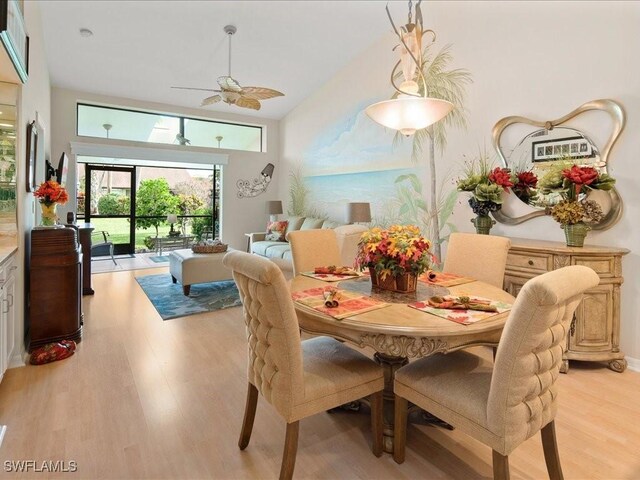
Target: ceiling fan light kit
(231, 92)
(410, 110)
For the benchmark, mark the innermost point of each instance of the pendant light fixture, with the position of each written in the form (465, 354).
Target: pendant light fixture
(412, 109)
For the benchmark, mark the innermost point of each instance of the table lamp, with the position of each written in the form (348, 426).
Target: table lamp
(172, 218)
(358, 212)
(274, 208)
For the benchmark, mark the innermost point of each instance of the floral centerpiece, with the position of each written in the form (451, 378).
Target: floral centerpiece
(575, 212)
(395, 257)
(486, 186)
(50, 194)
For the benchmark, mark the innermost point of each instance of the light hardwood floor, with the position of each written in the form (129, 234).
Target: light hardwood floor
(143, 398)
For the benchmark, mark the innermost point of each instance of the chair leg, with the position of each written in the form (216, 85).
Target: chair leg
(290, 451)
(111, 252)
(249, 416)
(500, 466)
(376, 422)
(400, 429)
(550, 447)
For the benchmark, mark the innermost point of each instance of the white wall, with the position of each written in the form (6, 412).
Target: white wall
(35, 98)
(535, 59)
(239, 215)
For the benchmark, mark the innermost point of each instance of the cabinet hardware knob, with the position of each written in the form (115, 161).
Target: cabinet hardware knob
(530, 262)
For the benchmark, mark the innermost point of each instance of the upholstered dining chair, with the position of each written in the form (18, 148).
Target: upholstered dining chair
(313, 248)
(298, 378)
(483, 257)
(505, 405)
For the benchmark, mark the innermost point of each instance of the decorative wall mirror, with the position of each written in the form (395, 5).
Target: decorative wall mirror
(525, 144)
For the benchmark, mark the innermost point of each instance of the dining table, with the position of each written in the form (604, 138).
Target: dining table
(398, 332)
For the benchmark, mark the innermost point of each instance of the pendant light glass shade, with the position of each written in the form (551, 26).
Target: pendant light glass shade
(408, 114)
(411, 110)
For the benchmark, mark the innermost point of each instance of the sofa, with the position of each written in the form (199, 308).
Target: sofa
(280, 251)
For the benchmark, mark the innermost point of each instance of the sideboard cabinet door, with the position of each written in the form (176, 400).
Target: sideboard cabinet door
(594, 333)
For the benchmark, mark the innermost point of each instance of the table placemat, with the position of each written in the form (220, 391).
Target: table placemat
(349, 303)
(330, 277)
(464, 317)
(444, 279)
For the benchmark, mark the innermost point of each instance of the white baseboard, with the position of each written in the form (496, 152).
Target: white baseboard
(633, 364)
(19, 359)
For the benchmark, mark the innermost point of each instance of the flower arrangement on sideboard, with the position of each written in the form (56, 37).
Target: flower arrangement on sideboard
(50, 194)
(575, 212)
(486, 186)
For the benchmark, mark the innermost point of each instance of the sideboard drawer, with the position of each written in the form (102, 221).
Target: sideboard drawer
(603, 266)
(529, 262)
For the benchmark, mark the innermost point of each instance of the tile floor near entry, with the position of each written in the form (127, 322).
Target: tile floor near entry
(128, 262)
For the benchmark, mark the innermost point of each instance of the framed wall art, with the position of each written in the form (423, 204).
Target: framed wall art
(31, 155)
(570, 147)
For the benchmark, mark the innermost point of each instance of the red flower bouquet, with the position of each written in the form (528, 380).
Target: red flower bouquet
(525, 184)
(50, 192)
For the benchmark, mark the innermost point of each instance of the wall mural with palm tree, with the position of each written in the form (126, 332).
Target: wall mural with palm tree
(358, 160)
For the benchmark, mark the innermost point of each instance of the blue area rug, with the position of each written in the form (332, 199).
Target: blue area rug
(159, 259)
(170, 302)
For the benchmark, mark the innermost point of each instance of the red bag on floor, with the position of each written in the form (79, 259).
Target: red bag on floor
(52, 352)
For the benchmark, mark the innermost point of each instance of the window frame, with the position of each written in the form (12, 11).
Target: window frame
(181, 119)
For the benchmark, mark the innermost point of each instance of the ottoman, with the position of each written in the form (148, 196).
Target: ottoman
(189, 268)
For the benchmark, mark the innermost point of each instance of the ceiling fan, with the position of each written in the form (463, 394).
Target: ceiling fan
(230, 90)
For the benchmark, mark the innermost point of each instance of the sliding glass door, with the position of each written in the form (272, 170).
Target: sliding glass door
(109, 205)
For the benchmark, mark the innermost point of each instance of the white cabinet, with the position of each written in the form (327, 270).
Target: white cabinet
(7, 312)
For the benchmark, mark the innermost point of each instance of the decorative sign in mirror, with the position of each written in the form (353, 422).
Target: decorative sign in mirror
(543, 146)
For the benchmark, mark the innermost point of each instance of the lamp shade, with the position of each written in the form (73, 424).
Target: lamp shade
(358, 212)
(408, 114)
(274, 207)
(172, 218)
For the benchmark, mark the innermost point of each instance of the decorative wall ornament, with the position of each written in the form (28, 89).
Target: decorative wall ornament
(257, 186)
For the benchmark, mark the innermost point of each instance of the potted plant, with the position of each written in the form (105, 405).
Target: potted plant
(395, 256)
(575, 212)
(485, 186)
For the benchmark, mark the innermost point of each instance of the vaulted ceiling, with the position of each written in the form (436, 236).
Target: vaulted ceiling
(139, 49)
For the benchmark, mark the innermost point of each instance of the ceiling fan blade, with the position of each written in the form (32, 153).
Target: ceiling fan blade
(211, 100)
(199, 89)
(260, 93)
(246, 102)
(228, 83)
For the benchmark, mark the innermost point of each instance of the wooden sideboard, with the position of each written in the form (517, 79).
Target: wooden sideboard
(54, 298)
(594, 334)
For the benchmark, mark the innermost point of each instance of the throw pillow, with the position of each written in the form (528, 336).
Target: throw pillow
(276, 231)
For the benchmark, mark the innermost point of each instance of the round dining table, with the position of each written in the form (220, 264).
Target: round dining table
(398, 332)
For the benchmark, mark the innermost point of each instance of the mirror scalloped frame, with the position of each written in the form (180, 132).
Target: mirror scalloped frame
(618, 116)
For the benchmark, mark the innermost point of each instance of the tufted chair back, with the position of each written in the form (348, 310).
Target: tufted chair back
(483, 257)
(275, 354)
(522, 397)
(314, 248)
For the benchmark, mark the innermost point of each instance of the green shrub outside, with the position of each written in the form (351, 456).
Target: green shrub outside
(199, 225)
(114, 204)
